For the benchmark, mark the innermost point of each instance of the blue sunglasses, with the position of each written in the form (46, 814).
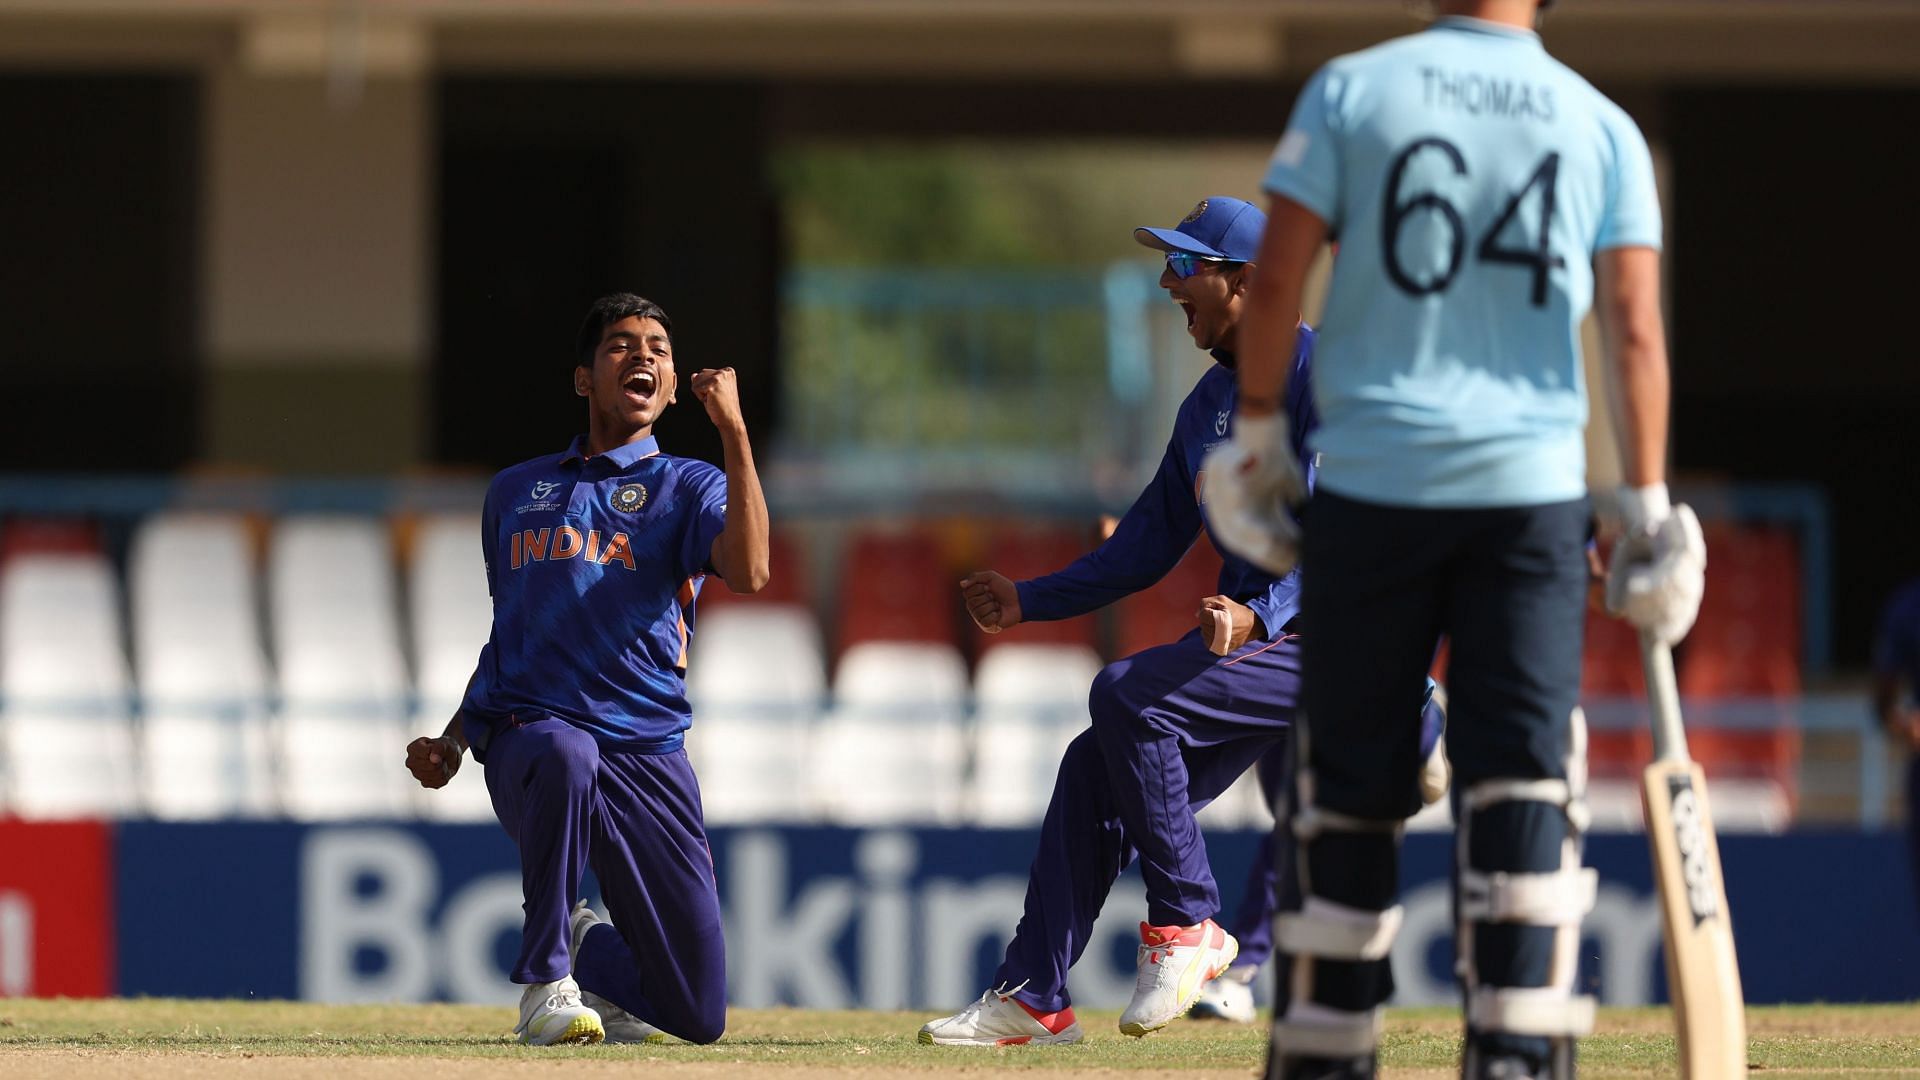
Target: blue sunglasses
(1185, 266)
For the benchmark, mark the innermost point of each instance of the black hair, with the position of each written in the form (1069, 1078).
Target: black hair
(609, 310)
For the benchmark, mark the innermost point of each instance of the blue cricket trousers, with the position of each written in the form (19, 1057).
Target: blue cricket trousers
(635, 819)
(1173, 726)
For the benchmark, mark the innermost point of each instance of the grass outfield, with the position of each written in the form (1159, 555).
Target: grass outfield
(171, 1038)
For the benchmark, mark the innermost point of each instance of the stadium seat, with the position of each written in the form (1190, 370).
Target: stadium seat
(48, 536)
(891, 750)
(66, 737)
(895, 587)
(1165, 612)
(451, 616)
(789, 584)
(1746, 642)
(1029, 553)
(204, 735)
(343, 685)
(756, 676)
(1030, 700)
(1610, 662)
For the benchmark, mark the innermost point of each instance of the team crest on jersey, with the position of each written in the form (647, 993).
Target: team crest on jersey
(628, 498)
(1195, 216)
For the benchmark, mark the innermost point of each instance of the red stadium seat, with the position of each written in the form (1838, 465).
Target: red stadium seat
(895, 586)
(1610, 661)
(1029, 553)
(789, 583)
(1747, 640)
(1165, 612)
(48, 536)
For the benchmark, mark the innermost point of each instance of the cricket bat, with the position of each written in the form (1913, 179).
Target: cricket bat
(1703, 975)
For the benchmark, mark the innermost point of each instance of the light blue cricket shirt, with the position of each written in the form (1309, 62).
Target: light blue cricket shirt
(1469, 178)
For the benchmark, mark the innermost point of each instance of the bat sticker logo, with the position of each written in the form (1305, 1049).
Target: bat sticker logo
(1691, 840)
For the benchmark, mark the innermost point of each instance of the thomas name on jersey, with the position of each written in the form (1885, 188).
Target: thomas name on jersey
(1487, 95)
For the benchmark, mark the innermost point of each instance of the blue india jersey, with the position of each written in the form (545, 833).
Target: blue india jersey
(1163, 522)
(1469, 179)
(594, 564)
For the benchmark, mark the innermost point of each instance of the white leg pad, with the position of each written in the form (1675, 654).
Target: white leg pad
(1559, 793)
(1548, 1011)
(1553, 898)
(1333, 931)
(1309, 1030)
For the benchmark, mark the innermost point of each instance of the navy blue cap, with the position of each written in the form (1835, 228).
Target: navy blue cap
(1221, 227)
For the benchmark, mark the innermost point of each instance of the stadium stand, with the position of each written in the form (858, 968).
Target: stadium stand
(450, 615)
(891, 749)
(1030, 701)
(894, 586)
(67, 735)
(756, 676)
(342, 682)
(205, 742)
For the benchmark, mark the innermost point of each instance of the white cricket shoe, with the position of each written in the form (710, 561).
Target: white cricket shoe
(621, 1026)
(1229, 997)
(1174, 963)
(552, 1013)
(1000, 1019)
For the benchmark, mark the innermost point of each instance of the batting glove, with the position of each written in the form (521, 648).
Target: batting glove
(1659, 569)
(1251, 480)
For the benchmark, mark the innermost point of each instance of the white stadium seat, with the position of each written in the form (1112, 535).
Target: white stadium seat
(66, 737)
(451, 616)
(892, 749)
(756, 676)
(343, 684)
(1030, 701)
(204, 735)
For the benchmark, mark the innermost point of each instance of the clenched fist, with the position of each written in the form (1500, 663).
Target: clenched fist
(992, 600)
(433, 760)
(1225, 624)
(719, 390)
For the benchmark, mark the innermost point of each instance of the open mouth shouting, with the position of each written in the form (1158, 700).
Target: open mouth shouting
(639, 385)
(1186, 308)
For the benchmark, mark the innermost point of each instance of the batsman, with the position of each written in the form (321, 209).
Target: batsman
(1482, 192)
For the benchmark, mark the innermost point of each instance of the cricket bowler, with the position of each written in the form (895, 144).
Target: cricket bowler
(578, 709)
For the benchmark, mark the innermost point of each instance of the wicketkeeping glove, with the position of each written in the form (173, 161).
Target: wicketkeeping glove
(1252, 479)
(1659, 569)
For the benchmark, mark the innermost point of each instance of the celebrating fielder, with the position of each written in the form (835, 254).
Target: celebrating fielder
(1173, 725)
(1481, 191)
(578, 707)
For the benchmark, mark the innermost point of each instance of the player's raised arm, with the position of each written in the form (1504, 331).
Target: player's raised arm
(741, 552)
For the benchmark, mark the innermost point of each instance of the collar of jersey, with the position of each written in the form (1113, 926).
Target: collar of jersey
(624, 455)
(1481, 26)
